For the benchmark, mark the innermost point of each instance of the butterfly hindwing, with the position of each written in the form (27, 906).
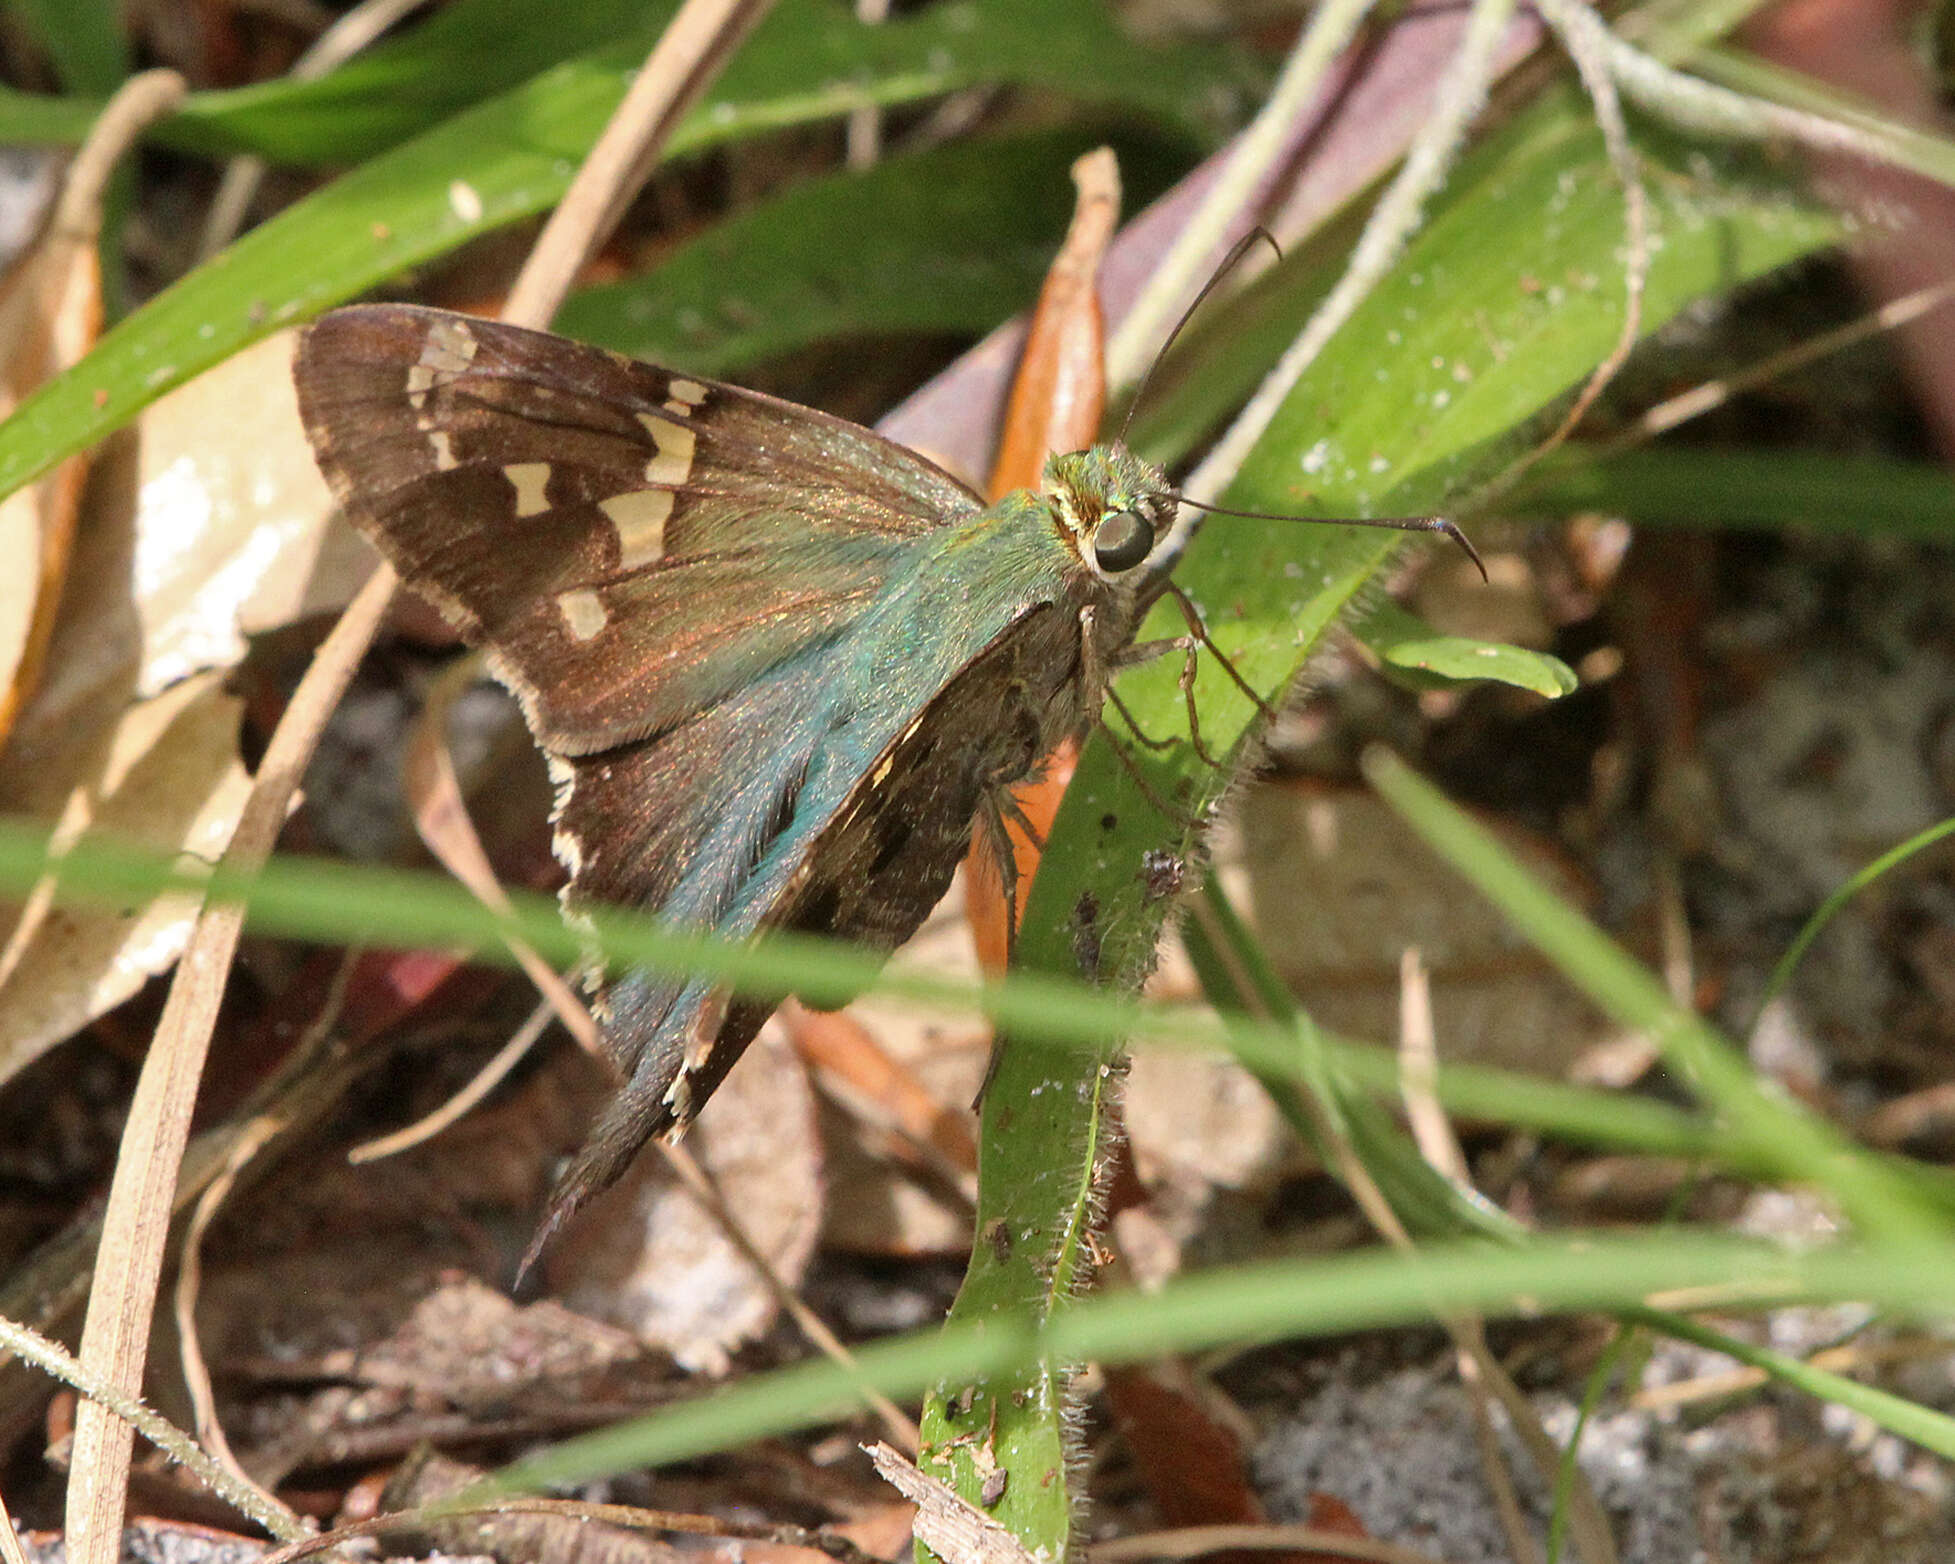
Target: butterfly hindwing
(866, 868)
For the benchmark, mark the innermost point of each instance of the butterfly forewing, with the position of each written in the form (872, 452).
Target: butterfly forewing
(541, 492)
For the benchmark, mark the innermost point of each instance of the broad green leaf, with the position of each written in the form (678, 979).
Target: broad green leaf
(460, 55)
(1502, 304)
(1816, 491)
(953, 239)
(1405, 642)
(511, 158)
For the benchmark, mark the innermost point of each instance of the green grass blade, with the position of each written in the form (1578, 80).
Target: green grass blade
(1828, 909)
(344, 902)
(1771, 1122)
(1815, 491)
(1272, 1301)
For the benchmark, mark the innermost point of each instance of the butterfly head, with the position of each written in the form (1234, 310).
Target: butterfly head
(1115, 509)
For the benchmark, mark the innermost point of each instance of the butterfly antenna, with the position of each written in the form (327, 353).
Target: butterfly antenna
(1440, 524)
(1226, 265)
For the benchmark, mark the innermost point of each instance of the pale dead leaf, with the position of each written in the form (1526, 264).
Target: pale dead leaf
(205, 524)
(1200, 1117)
(50, 315)
(880, 1202)
(649, 1257)
(166, 774)
(884, 1197)
(231, 519)
(953, 1528)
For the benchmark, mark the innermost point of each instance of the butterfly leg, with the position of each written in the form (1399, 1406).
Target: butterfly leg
(1146, 651)
(1198, 637)
(1133, 724)
(1006, 803)
(1190, 645)
(1198, 630)
(994, 810)
(996, 807)
(1127, 657)
(1152, 794)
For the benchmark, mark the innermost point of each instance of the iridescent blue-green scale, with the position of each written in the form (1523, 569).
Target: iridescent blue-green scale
(930, 626)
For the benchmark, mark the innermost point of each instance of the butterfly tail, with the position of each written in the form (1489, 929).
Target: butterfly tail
(680, 1047)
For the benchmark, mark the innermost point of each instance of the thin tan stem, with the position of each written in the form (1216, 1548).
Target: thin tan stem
(689, 54)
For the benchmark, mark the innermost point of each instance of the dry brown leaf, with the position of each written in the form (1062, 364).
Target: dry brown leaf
(50, 314)
(1057, 398)
(883, 1089)
(363, 1349)
(649, 1257)
(957, 1531)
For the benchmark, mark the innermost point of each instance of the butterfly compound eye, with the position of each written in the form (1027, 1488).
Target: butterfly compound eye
(1123, 540)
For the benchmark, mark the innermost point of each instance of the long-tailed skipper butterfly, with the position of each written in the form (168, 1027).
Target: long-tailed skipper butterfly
(777, 663)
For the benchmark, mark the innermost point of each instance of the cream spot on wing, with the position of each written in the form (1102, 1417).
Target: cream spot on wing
(690, 392)
(444, 453)
(446, 351)
(675, 443)
(640, 517)
(451, 345)
(563, 841)
(529, 480)
(888, 763)
(583, 614)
